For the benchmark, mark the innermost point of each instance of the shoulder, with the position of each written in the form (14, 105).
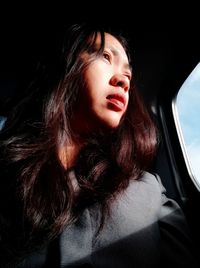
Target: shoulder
(141, 201)
(145, 192)
(136, 208)
(132, 225)
(146, 182)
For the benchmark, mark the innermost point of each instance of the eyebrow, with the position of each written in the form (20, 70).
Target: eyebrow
(116, 53)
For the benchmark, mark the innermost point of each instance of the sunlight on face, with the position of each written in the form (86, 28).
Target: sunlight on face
(104, 99)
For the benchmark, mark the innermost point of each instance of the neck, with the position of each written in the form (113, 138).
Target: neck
(68, 154)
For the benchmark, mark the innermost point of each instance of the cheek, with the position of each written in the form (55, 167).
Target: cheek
(97, 74)
(95, 87)
(127, 102)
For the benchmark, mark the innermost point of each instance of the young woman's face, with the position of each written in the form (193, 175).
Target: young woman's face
(104, 98)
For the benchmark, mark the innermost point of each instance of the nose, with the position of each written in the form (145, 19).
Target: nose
(119, 80)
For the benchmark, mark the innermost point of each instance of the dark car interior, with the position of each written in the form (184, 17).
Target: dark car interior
(162, 61)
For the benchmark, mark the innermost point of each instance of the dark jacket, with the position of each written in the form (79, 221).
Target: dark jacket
(144, 229)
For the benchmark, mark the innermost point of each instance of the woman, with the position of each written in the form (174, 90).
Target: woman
(74, 155)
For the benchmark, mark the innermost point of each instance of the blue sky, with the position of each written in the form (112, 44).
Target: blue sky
(188, 107)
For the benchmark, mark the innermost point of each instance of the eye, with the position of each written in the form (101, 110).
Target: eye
(129, 76)
(106, 56)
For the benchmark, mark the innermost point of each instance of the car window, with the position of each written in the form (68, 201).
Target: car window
(186, 110)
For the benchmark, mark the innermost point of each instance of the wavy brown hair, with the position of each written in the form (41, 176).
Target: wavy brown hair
(40, 124)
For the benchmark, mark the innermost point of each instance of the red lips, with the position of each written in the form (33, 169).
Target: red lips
(117, 101)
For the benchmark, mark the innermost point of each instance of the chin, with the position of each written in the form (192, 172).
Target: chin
(108, 121)
(112, 123)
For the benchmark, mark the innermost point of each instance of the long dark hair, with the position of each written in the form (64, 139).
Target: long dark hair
(40, 124)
